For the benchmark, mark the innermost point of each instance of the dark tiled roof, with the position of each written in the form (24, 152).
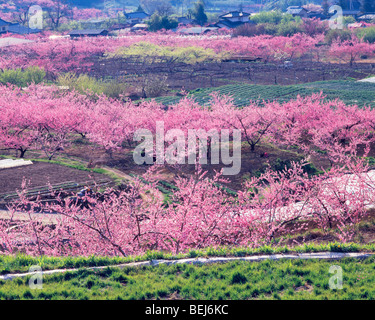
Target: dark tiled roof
(317, 15)
(231, 24)
(3, 23)
(295, 10)
(235, 14)
(20, 29)
(88, 32)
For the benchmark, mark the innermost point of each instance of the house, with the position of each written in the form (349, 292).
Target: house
(233, 19)
(4, 25)
(20, 29)
(230, 25)
(15, 28)
(88, 33)
(235, 16)
(197, 30)
(297, 11)
(136, 17)
(119, 26)
(317, 15)
(320, 16)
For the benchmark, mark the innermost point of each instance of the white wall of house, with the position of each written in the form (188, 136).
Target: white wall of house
(236, 19)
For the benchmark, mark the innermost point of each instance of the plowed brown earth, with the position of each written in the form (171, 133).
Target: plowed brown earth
(42, 174)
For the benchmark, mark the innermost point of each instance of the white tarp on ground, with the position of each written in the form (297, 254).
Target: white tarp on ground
(6, 42)
(197, 261)
(371, 80)
(363, 183)
(10, 163)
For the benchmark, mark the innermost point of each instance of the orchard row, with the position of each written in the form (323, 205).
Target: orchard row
(199, 213)
(66, 55)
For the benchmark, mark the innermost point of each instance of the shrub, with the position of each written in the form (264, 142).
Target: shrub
(245, 30)
(22, 78)
(268, 28)
(158, 22)
(274, 17)
(154, 86)
(367, 34)
(338, 35)
(289, 28)
(348, 20)
(84, 84)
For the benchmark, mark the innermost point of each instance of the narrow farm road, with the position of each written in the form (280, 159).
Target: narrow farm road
(194, 261)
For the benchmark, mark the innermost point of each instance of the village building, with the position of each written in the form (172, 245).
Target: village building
(88, 33)
(233, 19)
(4, 26)
(136, 17)
(297, 11)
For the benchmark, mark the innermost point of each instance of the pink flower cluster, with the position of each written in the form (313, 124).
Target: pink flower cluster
(200, 214)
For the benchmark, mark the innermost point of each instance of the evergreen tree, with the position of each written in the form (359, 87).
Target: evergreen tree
(199, 14)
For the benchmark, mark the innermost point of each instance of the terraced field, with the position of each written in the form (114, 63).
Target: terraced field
(351, 92)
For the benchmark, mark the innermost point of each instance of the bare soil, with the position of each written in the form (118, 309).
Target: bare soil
(251, 162)
(201, 75)
(42, 174)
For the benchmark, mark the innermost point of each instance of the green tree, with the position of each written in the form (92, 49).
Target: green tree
(158, 22)
(154, 23)
(198, 13)
(274, 17)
